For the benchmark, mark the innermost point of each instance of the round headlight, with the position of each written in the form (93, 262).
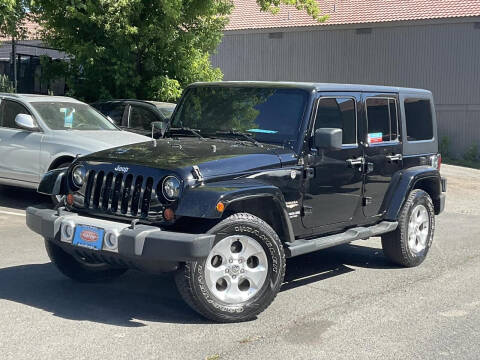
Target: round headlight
(78, 175)
(171, 188)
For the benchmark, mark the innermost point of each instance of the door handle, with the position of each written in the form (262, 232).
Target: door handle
(356, 162)
(396, 157)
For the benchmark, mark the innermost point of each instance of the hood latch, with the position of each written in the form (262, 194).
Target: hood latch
(196, 173)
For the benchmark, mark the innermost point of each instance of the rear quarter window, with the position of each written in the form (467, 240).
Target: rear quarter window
(418, 118)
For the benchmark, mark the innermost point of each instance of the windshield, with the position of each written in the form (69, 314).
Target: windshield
(272, 115)
(75, 116)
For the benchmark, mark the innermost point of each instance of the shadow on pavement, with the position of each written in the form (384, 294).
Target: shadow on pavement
(19, 198)
(128, 301)
(324, 264)
(136, 298)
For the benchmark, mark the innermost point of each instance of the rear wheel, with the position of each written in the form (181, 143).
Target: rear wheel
(79, 269)
(242, 274)
(408, 245)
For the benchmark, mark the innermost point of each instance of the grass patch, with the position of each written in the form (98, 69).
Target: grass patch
(213, 357)
(462, 162)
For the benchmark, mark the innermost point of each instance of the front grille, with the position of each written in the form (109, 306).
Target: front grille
(122, 194)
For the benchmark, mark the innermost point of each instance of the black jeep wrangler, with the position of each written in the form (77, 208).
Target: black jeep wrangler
(246, 175)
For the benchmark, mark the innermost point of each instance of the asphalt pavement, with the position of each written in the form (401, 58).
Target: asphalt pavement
(347, 302)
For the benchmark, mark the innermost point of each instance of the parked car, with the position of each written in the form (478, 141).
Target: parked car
(136, 115)
(39, 133)
(250, 174)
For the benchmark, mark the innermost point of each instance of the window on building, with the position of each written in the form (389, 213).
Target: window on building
(338, 113)
(382, 120)
(10, 110)
(418, 117)
(141, 118)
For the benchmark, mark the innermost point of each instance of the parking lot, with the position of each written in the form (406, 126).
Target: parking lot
(343, 303)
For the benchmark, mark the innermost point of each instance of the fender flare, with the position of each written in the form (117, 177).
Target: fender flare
(404, 181)
(54, 182)
(201, 201)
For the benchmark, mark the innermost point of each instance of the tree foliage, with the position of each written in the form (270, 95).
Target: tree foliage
(310, 6)
(147, 49)
(12, 18)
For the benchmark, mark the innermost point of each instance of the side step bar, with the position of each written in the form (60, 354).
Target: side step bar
(300, 247)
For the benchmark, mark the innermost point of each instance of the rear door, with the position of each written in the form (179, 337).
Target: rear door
(19, 149)
(333, 188)
(383, 149)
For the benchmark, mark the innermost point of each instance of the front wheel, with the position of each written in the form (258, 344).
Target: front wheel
(242, 274)
(408, 245)
(79, 269)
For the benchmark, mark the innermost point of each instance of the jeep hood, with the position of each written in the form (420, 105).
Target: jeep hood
(214, 157)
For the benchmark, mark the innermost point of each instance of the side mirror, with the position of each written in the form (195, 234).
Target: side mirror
(25, 121)
(328, 139)
(159, 126)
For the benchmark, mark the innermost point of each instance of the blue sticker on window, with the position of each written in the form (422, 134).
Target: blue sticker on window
(67, 116)
(262, 131)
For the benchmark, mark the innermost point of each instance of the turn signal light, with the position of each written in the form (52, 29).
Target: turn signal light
(70, 199)
(168, 214)
(436, 161)
(220, 207)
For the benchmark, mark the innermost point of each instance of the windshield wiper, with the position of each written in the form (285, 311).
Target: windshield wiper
(240, 134)
(186, 129)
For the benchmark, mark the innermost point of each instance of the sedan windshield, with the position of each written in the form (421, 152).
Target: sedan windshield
(74, 116)
(272, 115)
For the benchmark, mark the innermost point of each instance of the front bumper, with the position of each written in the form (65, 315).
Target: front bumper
(145, 247)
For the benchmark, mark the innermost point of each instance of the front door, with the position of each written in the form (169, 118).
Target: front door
(19, 149)
(383, 149)
(333, 185)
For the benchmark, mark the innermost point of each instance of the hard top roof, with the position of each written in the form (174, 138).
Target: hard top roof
(317, 86)
(153, 102)
(39, 98)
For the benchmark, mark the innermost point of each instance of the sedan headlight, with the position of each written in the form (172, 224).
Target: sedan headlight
(171, 188)
(78, 175)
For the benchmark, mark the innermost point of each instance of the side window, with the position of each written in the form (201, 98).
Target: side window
(141, 117)
(115, 111)
(418, 117)
(10, 110)
(338, 113)
(382, 120)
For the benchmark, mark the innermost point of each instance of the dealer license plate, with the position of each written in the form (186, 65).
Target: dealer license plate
(88, 237)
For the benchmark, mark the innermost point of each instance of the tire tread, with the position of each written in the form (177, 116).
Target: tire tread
(184, 281)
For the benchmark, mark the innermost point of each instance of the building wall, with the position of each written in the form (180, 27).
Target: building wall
(441, 57)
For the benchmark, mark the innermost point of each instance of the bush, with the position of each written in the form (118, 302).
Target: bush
(6, 85)
(444, 147)
(471, 154)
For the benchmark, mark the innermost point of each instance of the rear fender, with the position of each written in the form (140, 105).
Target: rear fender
(404, 181)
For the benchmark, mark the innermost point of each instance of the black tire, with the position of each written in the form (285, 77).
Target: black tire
(191, 283)
(395, 244)
(55, 199)
(78, 270)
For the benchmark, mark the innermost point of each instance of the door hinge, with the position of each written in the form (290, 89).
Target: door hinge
(309, 173)
(306, 210)
(366, 201)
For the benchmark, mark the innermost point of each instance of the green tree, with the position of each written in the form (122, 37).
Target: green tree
(147, 49)
(12, 18)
